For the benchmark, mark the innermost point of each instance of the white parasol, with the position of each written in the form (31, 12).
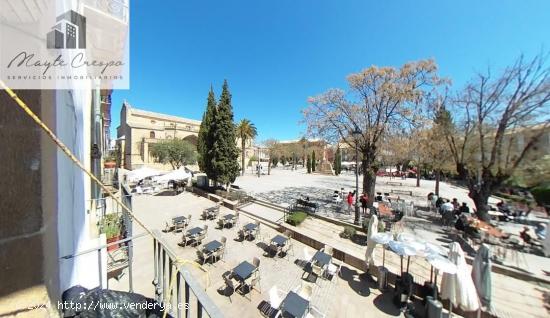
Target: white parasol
(459, 288)
(383, 239)
(371, 244)
(402, 249)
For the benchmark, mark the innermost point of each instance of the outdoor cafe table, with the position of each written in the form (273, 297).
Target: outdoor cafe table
(322, 258)
(244, 270)
(212, 246)
(194, 231)
(279, 240)
(486, 228)
(228, 217)
(179, 222)
(294, 305)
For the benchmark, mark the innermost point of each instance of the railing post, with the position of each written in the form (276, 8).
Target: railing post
(178, 295)
(99, 261)
(155, 262)
(187, 299)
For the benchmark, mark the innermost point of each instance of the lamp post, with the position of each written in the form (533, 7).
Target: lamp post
(356, 134)
(259, 162)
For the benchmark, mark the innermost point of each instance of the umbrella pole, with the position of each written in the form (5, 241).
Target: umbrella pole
(408, 263)
(401, 266)
(431, 274)
(383, 255)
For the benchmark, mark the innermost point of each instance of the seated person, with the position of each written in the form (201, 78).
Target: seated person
(456, 205)
(464, 208)
(446, 207)
(503, 207)
(439, 201)
(540, 231)
(525, 236)
(379, 197)
(461, 223)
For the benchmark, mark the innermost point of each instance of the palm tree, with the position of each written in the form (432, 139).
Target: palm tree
(245, 130)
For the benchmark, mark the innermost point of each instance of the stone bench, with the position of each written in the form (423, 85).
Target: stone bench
(405, 192)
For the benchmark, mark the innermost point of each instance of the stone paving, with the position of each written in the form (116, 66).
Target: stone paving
(353, 294)
(281, 188)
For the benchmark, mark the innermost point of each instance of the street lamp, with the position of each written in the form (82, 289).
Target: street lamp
(356, 133)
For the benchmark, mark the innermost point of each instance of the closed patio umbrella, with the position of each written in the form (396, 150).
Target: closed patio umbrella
(459, 288)
(441, 264)
(373, 229)
(382, 239)
(481, 274)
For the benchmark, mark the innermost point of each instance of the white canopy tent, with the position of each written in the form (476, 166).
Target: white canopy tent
(177, 175)
(142, 173)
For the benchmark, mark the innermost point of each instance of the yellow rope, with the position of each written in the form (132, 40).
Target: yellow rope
(178, 262)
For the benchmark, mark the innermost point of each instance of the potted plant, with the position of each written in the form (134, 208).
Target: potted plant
(112, 227)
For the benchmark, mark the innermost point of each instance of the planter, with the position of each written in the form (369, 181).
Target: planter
(113, 247)
(109, 164)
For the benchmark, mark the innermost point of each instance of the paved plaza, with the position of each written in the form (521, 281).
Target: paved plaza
(352, 294)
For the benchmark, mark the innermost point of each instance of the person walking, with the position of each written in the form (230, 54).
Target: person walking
(364, 200)
(350, 201)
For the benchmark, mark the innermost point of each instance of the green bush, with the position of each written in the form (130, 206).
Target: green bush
(542, 194)
(112, 225)
(296, 218)
(348, 233)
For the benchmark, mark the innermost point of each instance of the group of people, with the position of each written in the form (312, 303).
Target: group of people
(443, 205)
(363, 201)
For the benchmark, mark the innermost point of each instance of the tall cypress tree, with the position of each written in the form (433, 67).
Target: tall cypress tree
(205, 139)
(308, 164)
(224, 151)
(313, 161)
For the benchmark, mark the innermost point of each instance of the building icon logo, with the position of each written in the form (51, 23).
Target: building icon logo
(69, 32)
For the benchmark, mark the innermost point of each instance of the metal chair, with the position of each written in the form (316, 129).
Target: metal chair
(305, 292)
(230, 283)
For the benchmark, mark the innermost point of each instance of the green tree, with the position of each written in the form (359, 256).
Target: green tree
(245, 131)
(177, 152)
(308, 164)
(205, 138)
(224, 151)
(313, 161)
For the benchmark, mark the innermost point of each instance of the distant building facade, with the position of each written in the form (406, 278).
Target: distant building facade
(139, 129)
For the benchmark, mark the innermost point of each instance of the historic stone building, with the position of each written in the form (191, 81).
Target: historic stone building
(140, 128)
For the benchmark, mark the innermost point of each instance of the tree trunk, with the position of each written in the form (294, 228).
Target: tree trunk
(437, 178)
(242, 156)
(269, 166)
(418, 176)
(369, 180)
(480, 196)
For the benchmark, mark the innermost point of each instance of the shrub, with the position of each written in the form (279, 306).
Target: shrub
(296, 218)
(112, 225)
(542, 194)
(348, 233)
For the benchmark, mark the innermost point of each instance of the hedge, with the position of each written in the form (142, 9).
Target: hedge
(296, 218)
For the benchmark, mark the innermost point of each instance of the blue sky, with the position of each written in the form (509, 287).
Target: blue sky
(277, 53)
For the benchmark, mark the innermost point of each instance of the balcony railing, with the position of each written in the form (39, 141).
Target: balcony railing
(185, 288)
(187, 298)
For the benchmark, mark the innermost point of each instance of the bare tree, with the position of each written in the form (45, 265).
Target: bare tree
(272, 146)
(379, 99)
(498, 121)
